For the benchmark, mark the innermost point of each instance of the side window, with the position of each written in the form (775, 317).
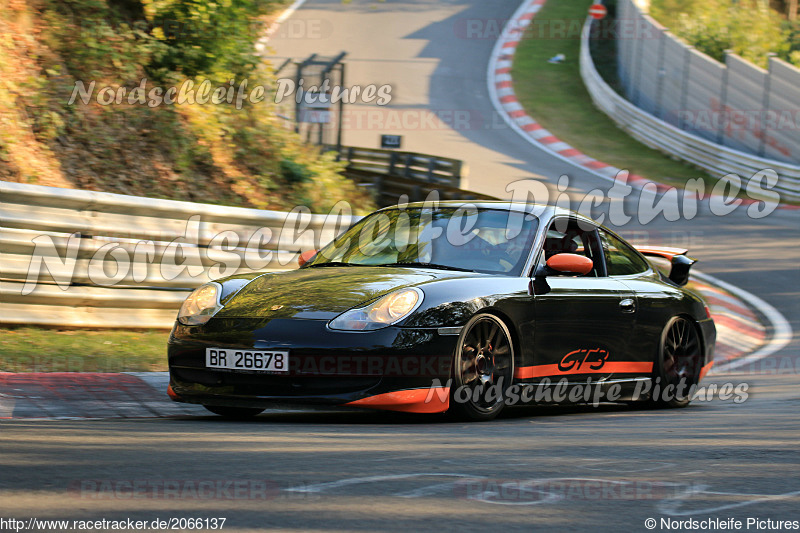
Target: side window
(563, 237)
(621, 259)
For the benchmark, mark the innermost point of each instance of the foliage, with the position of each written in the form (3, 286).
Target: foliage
(749, 28)
(36, 349)
(202, 37)
(216, 153)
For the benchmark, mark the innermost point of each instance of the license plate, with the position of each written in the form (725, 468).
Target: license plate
(258, 360)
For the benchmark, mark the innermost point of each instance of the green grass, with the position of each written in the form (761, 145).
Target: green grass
(30, 349)
(555, 96)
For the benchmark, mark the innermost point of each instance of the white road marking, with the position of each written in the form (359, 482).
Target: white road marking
(321, 487)
(603, 465)
(671, 506)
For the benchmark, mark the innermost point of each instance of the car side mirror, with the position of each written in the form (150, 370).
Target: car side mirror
(567, 263)
(306, 256)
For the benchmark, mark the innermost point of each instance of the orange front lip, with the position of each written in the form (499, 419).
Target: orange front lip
(611, 367)
(171, 393)
(430, 400)
(705, 369)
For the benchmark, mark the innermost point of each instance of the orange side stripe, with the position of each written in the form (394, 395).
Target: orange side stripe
(705, 369)
(430, 400)
(611, 367)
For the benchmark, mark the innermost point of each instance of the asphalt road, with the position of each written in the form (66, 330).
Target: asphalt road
(563, 469)
(421, 48)
(567, 469)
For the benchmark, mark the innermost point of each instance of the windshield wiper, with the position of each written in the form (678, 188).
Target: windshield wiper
(426, 265)
(335, 264)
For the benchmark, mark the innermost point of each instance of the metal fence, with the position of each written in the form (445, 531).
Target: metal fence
(406, 176)
(317, 116)
(737, 104)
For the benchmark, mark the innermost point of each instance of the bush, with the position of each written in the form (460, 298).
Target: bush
(211, 153)
(749, 28)
(203, 37)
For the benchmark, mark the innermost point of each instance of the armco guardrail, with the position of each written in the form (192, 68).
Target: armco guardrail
(714, 158)
(389, 190)
(409, 165)
(394, 174)
(94, 259)
(84, 258)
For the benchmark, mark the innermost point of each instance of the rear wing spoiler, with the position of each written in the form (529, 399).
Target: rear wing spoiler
(681, 263)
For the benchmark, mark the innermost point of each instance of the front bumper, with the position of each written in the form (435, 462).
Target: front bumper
(391, 368)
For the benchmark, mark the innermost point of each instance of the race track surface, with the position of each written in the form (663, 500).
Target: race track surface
(565, 469)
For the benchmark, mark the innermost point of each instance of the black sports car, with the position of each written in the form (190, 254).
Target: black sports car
(466, 308)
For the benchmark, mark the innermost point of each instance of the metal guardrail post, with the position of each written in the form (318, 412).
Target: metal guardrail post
(408, 163)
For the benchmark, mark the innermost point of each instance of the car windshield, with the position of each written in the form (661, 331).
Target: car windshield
(464, 238)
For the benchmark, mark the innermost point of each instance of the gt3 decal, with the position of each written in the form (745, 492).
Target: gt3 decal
(594, 358)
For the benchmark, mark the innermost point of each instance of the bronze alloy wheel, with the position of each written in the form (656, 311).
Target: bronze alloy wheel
(483, 369)
(680, 358)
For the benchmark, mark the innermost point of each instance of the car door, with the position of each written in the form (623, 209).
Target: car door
(582, 323)
(654, 301)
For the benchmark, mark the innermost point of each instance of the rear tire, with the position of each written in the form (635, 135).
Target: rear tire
(680, 357)
(483, 369)
(234, 413)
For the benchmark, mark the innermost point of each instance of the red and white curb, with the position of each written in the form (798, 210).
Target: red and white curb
(739, 331)
(504, 99)
(742, 339)
(80, 396)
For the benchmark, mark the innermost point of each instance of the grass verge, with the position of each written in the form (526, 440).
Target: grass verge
(30, 349)
(555, 96)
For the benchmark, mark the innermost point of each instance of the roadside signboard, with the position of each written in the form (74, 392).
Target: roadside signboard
(389, 142)
(597, 11)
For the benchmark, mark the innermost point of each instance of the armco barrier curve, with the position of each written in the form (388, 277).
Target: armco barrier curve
(656, 133)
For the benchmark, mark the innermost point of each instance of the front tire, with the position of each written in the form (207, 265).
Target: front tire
(234, 413)
(680, 357)
(483, 369)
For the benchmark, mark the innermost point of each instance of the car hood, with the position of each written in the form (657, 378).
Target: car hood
(322, 293)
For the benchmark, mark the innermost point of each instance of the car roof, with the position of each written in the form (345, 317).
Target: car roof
(543, 211)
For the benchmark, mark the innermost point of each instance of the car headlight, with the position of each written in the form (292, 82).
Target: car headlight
(383, 312)
(201, 305)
